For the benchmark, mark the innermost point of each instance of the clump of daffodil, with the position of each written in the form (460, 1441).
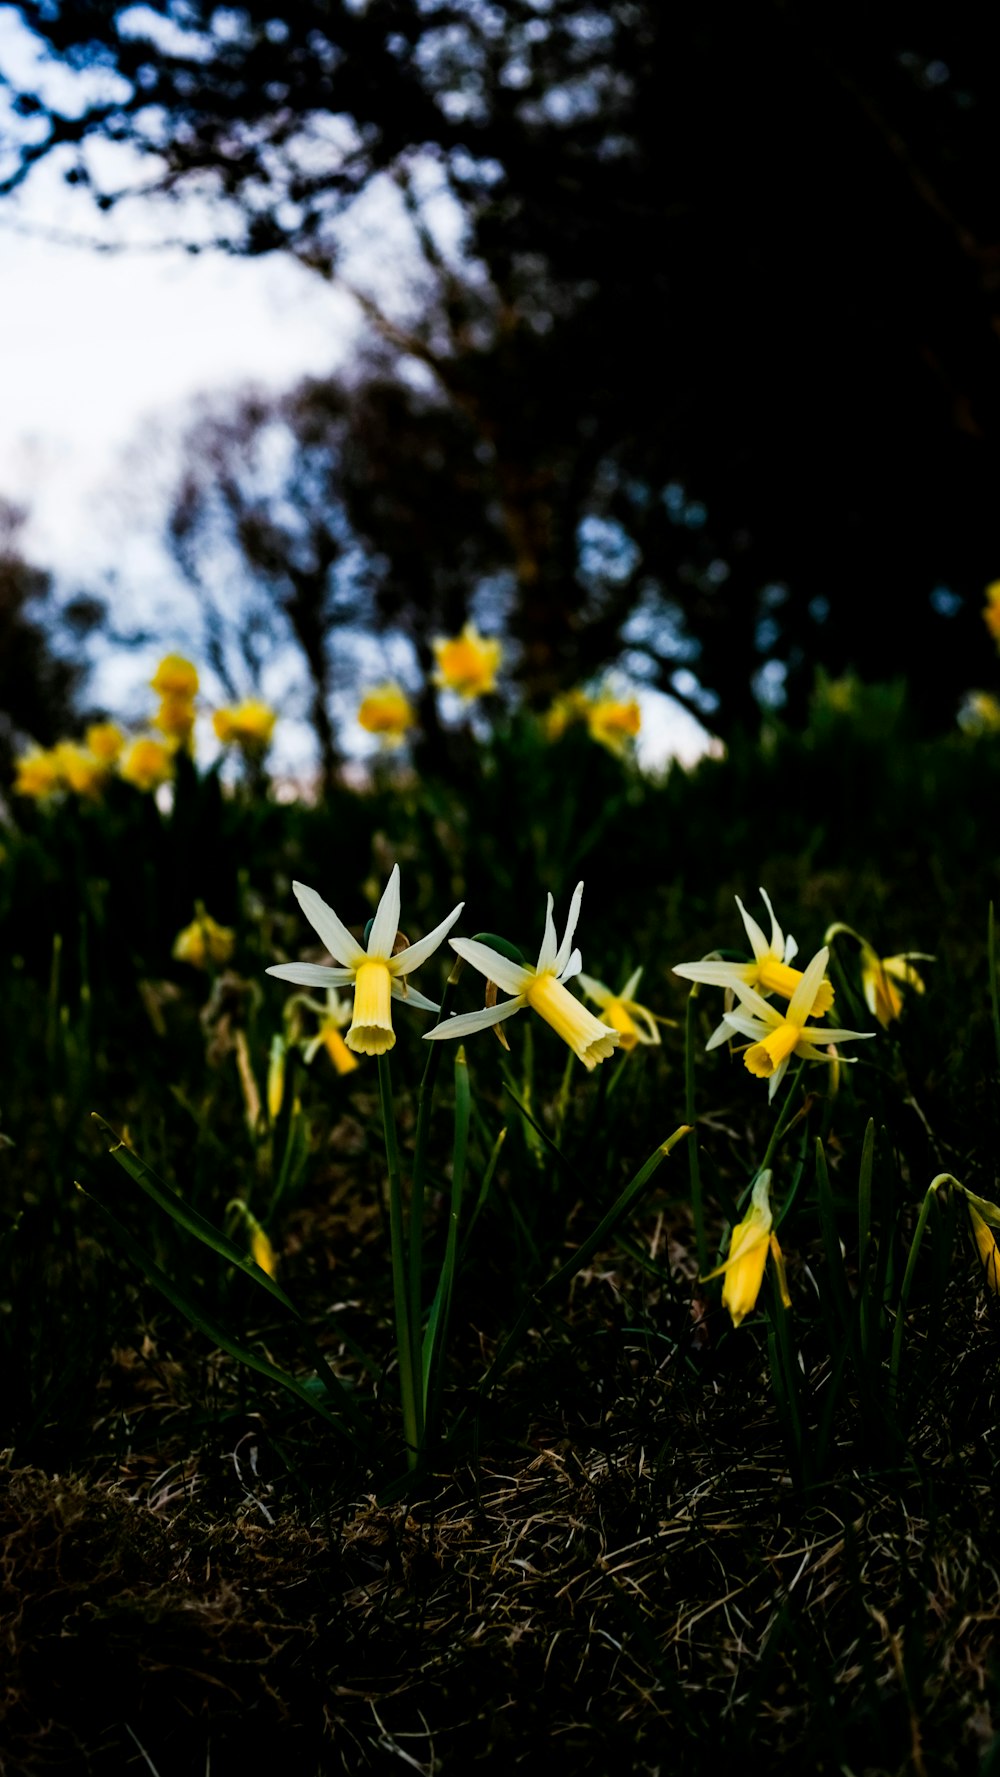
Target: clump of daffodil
(881, 976)
(204, 943)
(147, 762)
(991, 610)
(377, 971)
(38, 774)
(777, 1036)
(634, 1023)
(770, 972)
(743, 1269)
(614, 722)
(468, 663)
(248, 725)
(543, 988)
(386, 710)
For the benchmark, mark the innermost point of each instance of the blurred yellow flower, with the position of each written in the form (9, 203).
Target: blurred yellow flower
(467, 663)
(377, 971)
(980, 713)
(175, 677)
(147, 763)
(39, 774)
(634, 1023)
(542, 988)
(614, 722)
(204, 943)
(175, 717)
(567, 708)
(83, 772)
(991, 609)
(880, 974)
(105, 740)
(387, 711)
(751, 1241)
(249, 724)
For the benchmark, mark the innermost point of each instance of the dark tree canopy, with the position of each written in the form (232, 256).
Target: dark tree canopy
(715, 375)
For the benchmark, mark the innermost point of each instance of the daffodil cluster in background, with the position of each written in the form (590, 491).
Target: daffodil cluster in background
(613, 721)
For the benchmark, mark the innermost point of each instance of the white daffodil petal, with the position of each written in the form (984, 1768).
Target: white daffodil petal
(710, 974)
(748, 996)
(815, 1033)
(410, 997)
(777, 1077)
(550, 946)
(572, 968)
(758, 942)
(595, 990)
(801, 1003)
(410, 959)
(385, 925)
(469, 1022)
(628, 991)
(777, 935)
(747, 1026)
(511, 976)
(565, 951)
(332, 930)
(721, 1034)
(646, 1028)
(791, 949)
(311, 974)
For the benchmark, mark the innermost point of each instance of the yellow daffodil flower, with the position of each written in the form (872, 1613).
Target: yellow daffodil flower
(387, 711)
(467, 663)
(991, 610)
(204, 943)
(39, 774)
(543, 988)
(769, 972)
(249, 725)
(634, 1023)
(83, 772)
(751, 1241)
(333, 1017)
(377, 975)
(776, 1036)
(147, 763)
(175, 677)
(880, 974)
(614, 722)
(105, 740)
(175, 718)
(569, 707)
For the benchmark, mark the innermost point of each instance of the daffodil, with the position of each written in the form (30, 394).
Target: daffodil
(249, 725)
(376, 971)
(105, 740)
(751, 1241)
(543, 988)
(614, 722)
(769, 972)
(175, 677)
(777, 1036)
(204, 943)
(986, 1247)
(38, 774)
(147, 763)
(634, 1023)
(567, 709)
(175, 718)
(82, 771)
(991, 609)
(467, 663)
(386, 710)
(333, 1017)
(880, 975)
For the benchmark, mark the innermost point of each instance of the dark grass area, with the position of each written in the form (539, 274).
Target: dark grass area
(622, 1557)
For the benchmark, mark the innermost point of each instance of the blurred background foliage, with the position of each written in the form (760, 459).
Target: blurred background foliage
(697, 367)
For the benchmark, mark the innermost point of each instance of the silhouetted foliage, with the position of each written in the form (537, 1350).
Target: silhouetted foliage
(719, 349)
(38, 685)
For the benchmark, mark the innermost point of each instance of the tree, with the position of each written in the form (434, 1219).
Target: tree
(721, 331)
(38, 685)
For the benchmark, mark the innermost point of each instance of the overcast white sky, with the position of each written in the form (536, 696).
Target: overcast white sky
(101, 358)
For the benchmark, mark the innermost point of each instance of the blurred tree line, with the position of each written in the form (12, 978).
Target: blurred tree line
(697, 361)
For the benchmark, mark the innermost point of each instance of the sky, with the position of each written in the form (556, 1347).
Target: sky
(103, 356)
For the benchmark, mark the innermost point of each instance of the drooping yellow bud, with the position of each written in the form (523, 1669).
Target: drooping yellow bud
(276, 1076)
(987, 1248)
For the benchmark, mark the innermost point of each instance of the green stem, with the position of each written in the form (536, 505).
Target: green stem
(785, 1117)
(943, 1178)
(694, 1164)
(425, 1100)
(409, 1390)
